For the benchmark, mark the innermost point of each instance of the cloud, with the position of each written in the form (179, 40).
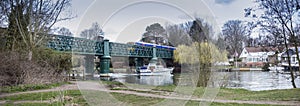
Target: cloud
(224, 1)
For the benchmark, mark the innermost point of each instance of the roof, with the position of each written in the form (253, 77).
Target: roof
(261, 49)
(291, 51)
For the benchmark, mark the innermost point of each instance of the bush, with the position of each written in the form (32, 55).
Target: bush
(266, 67)
(46, 67)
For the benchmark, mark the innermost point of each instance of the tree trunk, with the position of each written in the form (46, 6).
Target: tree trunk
(297, 54)
(289, 60)
(30, 55)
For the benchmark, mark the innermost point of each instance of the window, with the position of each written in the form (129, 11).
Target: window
(259, 59)
(249, 59)
(293, 59)
(254, 59)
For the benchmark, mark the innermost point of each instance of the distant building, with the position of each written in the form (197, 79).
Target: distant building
(257, 56)
(293, 57)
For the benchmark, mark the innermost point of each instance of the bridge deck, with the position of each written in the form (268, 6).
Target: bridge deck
(85, 46)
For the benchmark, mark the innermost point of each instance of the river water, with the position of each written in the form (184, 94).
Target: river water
(250, 80)
(257, 80)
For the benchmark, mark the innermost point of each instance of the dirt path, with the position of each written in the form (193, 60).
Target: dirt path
(84, 85)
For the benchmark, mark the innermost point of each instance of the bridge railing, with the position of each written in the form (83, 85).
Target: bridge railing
(119, 49)
(164, 53)
(86, 46)
(74, 45)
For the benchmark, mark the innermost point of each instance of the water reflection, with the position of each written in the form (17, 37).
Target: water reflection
(147, 80)
(251, 80)
(257, 80)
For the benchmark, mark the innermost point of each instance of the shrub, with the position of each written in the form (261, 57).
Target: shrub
(46, 67)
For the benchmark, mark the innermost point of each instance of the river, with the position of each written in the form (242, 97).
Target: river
(250, 80)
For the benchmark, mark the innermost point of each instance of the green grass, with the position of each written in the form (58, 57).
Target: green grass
(228, 93)
(42, 95)
(29, 87)
(136, 100)
(54, 95)
(196, 103)
(168, 88)
(146, 101)
(224, 94)
(34, 104)
(111, 82)
(241, 94)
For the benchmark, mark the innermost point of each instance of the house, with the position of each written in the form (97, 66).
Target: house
(257, 56)
(293, 57)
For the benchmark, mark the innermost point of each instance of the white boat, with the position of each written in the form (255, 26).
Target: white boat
(153, 69)
(276, 69)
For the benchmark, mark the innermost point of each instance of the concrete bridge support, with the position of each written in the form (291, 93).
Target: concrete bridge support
(89, 64)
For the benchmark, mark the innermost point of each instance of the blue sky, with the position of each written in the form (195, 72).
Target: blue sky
(126, 20)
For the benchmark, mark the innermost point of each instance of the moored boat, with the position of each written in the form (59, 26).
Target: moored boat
(153, 69)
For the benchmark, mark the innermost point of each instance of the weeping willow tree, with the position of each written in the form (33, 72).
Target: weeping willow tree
(200, 57)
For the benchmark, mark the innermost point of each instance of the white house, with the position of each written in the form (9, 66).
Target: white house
(293, 57)
(257, 56)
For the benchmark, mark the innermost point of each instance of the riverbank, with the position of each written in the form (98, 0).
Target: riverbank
(75, 93)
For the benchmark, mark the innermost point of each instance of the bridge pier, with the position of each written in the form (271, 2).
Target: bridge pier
(105, 59)
(89, 65)
(138, 62)
(154, 57)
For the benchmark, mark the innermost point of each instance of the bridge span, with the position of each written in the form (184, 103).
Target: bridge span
(104, 50)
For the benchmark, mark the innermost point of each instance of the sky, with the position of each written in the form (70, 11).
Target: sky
(126, 20)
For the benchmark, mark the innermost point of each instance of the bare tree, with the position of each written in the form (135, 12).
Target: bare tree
(178, 34)
(93, 33)
(31, 19)
(235, 34)
(280, 13)
(65, 31)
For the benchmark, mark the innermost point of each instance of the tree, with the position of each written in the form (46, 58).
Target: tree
(95, 32)
(281, 13)
(201, 56)
(178, 34)
(235, 35)
(31, 19)
(273, 31)
(65, 31)
(200, 31)
(155, 33)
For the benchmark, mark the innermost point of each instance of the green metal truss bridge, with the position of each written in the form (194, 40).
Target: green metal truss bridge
(105, 50)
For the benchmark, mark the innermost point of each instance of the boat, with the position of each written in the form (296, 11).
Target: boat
(154, 69)
(276, 69)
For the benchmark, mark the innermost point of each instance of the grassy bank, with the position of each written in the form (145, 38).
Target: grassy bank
(77, 98)
(54, 98)
(242, 94)
(269, 95)
(29, 87)
(146, 101)
(59, 97)
(223, 93)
